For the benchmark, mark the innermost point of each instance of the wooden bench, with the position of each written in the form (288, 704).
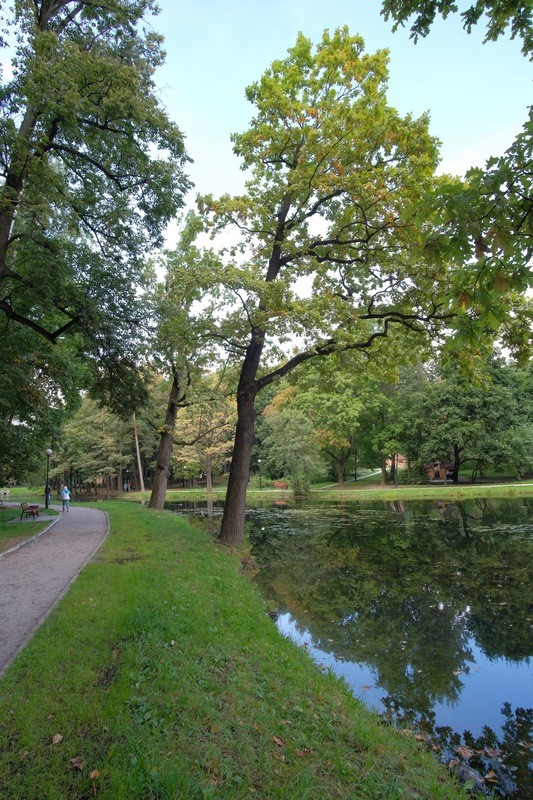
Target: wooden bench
(29, 511)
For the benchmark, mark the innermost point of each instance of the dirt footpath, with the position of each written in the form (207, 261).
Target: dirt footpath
(37, 574)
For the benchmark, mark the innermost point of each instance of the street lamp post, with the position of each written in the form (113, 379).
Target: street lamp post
(259, 462)
(47, 487)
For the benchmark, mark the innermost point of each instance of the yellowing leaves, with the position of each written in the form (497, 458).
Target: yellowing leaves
(464, 300)
(501, 282)
(481, 246)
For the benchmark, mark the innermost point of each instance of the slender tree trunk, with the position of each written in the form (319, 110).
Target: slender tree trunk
(138, 452)
(456, 462)
(232, 527)
(211, 523)
(159, 486)
(208, 473)
(393, 468)
(383, 470)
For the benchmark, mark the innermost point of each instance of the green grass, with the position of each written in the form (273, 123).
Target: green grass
(366, 489)
(19, 494)
(448, 491)
(11, 533)
(164, 677)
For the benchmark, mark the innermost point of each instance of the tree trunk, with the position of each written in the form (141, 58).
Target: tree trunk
(210, 515)
(232, 527)
(456, 462)
(208, 474)
(13, 185)
(383, 470)
(393, 468)
(159, 485)
(138, 452)
(341, 462)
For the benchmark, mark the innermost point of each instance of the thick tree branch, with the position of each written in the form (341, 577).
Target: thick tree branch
(7, 309)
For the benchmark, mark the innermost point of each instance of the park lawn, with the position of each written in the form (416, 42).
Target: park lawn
(28, 494)
(446, 492)
(361, 491)
(160, 675)
(12, 533)
(366, 488)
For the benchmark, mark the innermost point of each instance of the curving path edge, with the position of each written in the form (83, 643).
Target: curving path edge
(35, 575)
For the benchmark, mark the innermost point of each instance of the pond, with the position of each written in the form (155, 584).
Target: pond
(424, 609)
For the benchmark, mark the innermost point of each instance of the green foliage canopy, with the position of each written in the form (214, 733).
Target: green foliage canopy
(332, 169)
(91, 170)
(485, 223)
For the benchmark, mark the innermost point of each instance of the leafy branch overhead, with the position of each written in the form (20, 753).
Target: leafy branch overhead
(484, 224)
(499, 16)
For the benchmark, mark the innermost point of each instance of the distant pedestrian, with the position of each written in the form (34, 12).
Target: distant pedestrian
(65, 496)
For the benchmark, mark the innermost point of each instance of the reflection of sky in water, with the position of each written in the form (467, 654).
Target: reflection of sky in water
(484, 689)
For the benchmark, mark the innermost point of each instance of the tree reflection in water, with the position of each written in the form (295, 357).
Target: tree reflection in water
(434, 598)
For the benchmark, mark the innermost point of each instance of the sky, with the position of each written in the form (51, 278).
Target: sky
(476, 94)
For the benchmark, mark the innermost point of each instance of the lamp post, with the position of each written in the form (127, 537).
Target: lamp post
(259, 462)
(47, 487)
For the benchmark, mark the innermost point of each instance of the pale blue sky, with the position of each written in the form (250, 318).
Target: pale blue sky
(477, 95)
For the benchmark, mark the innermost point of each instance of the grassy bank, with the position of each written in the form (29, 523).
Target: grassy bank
(445, 492)
(359, 491)
(13, 531)
(160, 675)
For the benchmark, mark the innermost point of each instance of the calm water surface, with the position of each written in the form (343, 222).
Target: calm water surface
(424, 609)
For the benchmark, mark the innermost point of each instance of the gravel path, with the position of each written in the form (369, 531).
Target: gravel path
(35, 575)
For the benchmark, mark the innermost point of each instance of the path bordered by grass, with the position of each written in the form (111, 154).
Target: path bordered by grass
(160, 675)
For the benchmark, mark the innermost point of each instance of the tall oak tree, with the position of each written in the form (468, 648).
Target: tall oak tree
(329, 255)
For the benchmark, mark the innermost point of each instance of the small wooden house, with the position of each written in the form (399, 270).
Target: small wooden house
(401, 462)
